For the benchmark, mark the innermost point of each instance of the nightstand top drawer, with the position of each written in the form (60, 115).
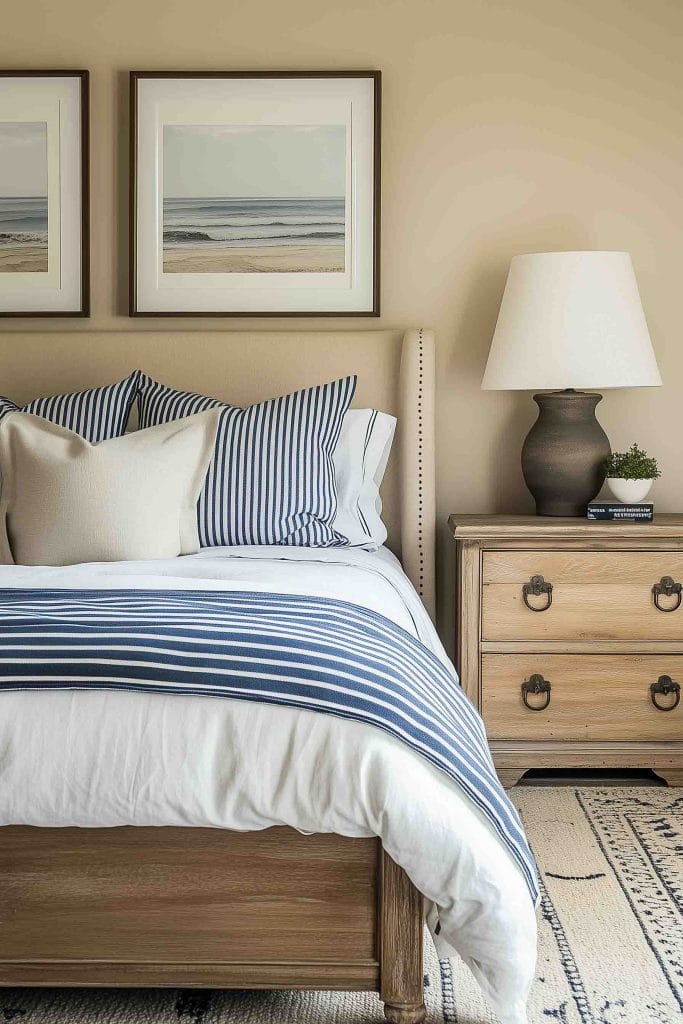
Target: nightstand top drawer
(582, 595)
(590, 697)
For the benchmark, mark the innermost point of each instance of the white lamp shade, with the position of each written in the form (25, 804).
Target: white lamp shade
(571, 320)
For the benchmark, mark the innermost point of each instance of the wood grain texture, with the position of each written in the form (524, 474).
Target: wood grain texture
(211, 909)
(400, 946)
(346, 977)
(581, 646)
(557, 529)
(616, 543)
(186, 896)
(593, 697)
(582, 568)
(578, 754)
(514, 757)
(596, 596)
(600, 612)
(601, 644)
(467, 619)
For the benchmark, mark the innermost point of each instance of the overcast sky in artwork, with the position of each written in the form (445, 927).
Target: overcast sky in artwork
(238, 161)
(23, 158)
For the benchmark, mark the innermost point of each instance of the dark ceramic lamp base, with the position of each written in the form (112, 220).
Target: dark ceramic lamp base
(564, 453)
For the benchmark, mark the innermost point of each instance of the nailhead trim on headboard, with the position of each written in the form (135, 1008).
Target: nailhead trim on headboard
(420, 464)
(417, 448)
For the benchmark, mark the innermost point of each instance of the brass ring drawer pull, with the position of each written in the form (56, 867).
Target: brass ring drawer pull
(537, 586)
(667, 587)
(536, 685)
(666, 686)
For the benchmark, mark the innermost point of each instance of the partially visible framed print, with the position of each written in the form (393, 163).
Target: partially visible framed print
(255, 194)
(44, 225)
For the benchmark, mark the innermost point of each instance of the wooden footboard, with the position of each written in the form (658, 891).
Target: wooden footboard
(209, 908)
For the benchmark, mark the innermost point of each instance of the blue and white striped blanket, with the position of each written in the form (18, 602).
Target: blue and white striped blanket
(313, 653)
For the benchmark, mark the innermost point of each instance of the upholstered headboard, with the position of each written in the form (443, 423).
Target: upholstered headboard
(417, 463)
(395, 374)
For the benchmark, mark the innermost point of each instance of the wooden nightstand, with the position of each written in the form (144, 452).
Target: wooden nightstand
(568, 632)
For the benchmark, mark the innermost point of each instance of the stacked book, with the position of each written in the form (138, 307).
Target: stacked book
(641, 512)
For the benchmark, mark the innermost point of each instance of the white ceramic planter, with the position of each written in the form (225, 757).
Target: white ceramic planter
(629, 491)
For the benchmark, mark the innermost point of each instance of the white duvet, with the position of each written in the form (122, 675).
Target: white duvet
(102, 759)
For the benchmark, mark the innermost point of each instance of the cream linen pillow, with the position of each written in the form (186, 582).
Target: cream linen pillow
(65, 500)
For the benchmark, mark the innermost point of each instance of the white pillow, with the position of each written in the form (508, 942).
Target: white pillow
(360, 460)
(66, 500)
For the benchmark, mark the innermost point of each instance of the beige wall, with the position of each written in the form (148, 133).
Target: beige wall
(509, 127)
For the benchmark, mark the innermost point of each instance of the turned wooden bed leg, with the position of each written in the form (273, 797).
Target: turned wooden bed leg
(400, 938)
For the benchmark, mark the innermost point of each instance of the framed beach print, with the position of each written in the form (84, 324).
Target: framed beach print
(255, 194)
(44, 247)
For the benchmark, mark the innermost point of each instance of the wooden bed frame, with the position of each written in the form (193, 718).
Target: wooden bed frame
(186, 907)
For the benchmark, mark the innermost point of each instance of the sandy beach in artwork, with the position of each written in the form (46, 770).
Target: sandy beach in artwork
(267, 259)
(23, 259)
(23, 197)
(254, 199)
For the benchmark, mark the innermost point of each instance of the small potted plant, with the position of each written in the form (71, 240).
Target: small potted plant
(630, 474)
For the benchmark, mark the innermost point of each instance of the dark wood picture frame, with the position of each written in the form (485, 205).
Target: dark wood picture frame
(136, 76)
(84, 164)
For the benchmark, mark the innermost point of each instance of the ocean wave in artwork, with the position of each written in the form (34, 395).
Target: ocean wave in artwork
(253, 222)
(237, 235)
(23, 220)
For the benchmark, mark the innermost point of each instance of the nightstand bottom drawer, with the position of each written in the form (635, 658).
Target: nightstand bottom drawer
(589, 697)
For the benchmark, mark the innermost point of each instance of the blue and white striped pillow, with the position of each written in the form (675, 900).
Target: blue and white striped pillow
(271, 480)
(97, 414)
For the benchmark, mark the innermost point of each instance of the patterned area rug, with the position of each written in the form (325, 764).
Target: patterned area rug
(611, 935)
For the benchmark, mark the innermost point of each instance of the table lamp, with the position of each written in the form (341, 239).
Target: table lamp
(569, 320)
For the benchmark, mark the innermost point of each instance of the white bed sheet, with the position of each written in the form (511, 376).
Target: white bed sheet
(97, 759)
